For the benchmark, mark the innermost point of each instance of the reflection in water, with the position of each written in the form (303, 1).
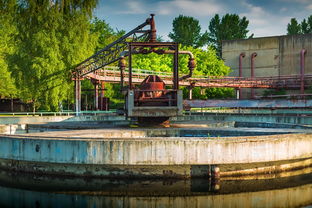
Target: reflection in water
(27, 190)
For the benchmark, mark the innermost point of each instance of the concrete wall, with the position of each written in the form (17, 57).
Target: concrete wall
(40, 119)
(156, 150)
(279, 55)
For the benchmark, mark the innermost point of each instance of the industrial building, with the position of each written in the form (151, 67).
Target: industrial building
(278, 56)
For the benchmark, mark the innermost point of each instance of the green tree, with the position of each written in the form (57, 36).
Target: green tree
(229, 27)
(186, 31)
(7, 47)
(105, 33)
(305, 27)
(294, 27)
(53, 37)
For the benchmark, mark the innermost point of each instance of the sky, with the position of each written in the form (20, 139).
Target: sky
(266, 17)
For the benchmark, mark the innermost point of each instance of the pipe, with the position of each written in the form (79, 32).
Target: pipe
(191, 64)
(122, 67)
(153, 29)
(240, 72)
(252, 72)
(240, 66)
(302, 58)
(122, 62)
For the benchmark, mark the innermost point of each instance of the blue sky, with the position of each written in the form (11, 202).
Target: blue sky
(266, 17)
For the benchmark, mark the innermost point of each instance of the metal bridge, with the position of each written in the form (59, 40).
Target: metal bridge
(113, 75)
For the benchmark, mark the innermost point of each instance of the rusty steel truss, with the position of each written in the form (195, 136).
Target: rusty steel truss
(111, 54)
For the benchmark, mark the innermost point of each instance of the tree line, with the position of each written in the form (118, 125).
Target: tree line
(43, 40)
(294, 27)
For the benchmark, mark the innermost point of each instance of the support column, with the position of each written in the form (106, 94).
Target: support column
(77, 95)
(102, 94)
(96, 94)
(130, 66)
(190, 93)
(122, 67)
(176, 68)
(238, 93)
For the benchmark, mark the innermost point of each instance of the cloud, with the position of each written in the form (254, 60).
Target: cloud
(189, 7)
(132, 7)
(262, 23)
(297, 1)
(309, 6)
(283, 9)
(171, 7)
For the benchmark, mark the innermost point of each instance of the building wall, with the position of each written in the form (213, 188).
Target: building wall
(279, 55)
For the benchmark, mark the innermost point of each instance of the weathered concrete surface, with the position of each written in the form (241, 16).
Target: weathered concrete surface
(187, 131)
(31, 119)
(13, 129)
(269, 103)
(103, 156)
(279, 55)
(42, 119)
(222, 117)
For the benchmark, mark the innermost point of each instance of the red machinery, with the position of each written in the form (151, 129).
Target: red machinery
(153, 93)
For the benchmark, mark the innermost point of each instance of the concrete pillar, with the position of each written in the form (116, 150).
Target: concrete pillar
(96, 95)
(238, 93)
(190, 93)
(77, 96)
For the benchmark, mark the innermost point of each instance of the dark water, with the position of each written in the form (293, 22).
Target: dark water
(25, 190)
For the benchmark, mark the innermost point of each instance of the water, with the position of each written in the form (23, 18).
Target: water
(26, 190)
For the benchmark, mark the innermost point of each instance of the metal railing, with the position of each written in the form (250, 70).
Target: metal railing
(63, 113)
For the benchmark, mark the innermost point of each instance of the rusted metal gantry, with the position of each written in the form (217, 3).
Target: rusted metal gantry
(128, 45)
(108, 55)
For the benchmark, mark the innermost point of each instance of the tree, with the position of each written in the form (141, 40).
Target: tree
(105, 33)
(307, 25)
(230, 27)
(186, 31)
(294, 27)
(53, 37)
(7, 47)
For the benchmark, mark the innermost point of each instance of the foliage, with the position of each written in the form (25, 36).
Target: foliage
(7, 47)
(229, 27)
(105, 33)
(53, 37)
(305, 27)
(293, 27)
(186, 31)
